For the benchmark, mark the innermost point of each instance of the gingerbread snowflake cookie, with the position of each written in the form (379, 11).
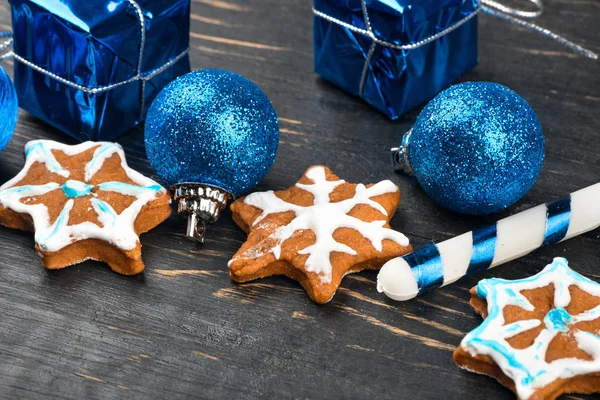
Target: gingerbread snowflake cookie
(83, 202)
(540, 334)
(317, 231)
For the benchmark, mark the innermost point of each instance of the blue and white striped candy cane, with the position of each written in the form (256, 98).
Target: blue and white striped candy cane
(436, 265)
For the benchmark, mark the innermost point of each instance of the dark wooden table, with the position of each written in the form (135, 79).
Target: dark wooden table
(183, 329)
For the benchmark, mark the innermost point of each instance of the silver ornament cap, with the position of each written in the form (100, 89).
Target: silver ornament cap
(400, 160)
(201, 204)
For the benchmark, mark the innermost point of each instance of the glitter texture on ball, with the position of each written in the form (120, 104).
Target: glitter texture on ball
(9, 109)
(212, 127)
(477, 148)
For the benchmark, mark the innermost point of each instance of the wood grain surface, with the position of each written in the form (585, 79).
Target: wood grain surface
(182, 329)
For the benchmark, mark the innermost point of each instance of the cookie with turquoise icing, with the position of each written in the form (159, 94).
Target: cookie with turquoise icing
(540, 336)
(83, 202)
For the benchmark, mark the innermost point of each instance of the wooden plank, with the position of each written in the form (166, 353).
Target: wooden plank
(183, 329)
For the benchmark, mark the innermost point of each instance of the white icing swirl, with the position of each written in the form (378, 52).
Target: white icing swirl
(324, 218)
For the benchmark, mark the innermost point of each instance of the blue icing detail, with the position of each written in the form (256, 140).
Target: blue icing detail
(62, 220)
(557, 319)
(49, 158)
(39, 146)
(99, 151)
(74, 189)
(506, 353)
(105, 147)
(517, 298)
(514, 327)
(156, 188)
(21, 189)
(104, 208)
(489, 289)
(529, 379)
(482, 290)
(125, 188)
(29, 149)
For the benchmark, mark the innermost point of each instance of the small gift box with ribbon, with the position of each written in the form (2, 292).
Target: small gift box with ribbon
(91, 68)
(395, 54)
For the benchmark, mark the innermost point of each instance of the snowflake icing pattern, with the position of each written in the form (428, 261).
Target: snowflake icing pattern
(323, 218)
(528, 367)
(115, 228)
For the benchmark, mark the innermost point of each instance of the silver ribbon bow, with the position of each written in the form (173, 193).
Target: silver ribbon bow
(510, 14)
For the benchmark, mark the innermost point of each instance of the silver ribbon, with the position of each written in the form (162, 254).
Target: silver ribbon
(510, 14)
(5, 46)
(515, 12)
(491, 7)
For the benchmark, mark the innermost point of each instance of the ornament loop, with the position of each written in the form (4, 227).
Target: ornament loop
(201, 204)
(400, 160)
(195, 227)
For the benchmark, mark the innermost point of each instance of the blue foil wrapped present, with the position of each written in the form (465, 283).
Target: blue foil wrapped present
(395, 54)
(91, 68)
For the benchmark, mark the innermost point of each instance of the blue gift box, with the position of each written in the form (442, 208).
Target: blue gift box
(91, 68)
(395, 54)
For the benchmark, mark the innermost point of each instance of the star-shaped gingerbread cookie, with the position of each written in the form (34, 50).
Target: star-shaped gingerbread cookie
(540, 336)
(83, 202)
(317, 231)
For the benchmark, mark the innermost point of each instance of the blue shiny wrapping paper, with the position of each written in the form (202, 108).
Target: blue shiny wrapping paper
(397, 80)
(96, 43)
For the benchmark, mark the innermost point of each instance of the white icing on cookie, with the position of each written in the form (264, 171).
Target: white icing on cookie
(117, 229)
(528, 367)
(324, 218)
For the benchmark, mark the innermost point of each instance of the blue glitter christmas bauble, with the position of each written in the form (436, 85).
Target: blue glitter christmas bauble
(9, 109)
(212, 127)
(476, 148)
